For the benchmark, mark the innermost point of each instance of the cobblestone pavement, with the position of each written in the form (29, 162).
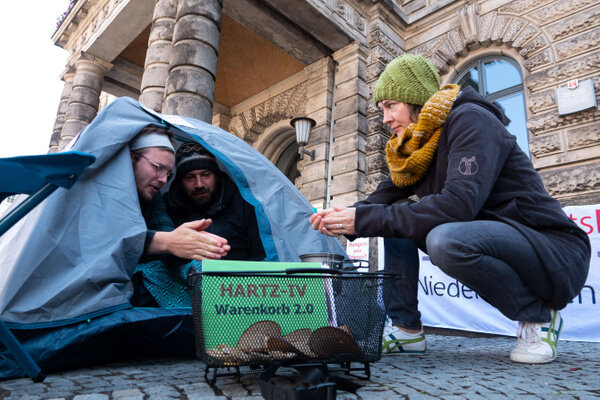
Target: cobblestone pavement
(454, 368)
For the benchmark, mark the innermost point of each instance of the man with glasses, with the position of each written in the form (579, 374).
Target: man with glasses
(153, 156)
(214, 205)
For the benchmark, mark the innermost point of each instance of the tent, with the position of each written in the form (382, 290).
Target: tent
(66, 267)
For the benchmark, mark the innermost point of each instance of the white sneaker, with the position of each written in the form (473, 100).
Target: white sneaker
(396, 341)
(538, 342)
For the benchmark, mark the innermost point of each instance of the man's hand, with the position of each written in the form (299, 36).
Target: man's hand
(190, 241)
(334, 222)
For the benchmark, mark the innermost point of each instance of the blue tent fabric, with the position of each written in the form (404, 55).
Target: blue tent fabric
(71, 259)
(38, 177)
(35, 171)
(120, 335)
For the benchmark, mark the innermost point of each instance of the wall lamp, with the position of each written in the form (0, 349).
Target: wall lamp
(303, 125)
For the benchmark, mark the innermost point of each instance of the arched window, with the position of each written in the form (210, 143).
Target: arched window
(278, 144)
(499, 80)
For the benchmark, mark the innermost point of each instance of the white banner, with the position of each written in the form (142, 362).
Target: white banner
(446, 303)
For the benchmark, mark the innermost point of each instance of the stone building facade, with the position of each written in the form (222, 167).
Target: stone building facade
(250, 66)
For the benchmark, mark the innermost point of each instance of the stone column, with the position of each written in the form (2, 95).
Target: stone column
(62, 109)
(190, 88)
(350, 127)
(352, 160)
(156, 68)
(85, 96)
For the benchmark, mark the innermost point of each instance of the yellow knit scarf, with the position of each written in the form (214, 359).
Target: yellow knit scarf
(409, 156)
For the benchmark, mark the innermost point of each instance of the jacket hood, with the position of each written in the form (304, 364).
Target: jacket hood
(469, 95)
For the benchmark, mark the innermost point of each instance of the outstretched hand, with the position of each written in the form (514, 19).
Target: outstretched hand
(334, 222)
(189, 240)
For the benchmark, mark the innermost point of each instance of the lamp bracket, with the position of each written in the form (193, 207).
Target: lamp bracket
(303, 151)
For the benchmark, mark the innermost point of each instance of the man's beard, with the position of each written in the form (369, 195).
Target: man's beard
(203, 201)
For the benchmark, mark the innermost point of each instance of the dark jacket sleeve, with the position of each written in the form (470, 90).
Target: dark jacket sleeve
(385, 193)
(148, 241)
(470, 135)
(157, 219)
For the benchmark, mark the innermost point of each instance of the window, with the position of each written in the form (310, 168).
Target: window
(499, 80)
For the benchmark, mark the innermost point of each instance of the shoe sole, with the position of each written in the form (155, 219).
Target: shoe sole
(390, 348)
(530, 359)
(407, 352)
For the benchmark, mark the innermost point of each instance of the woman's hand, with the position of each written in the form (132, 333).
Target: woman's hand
(334, 222)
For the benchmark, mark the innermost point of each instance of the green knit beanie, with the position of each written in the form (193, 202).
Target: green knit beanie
(409, 78)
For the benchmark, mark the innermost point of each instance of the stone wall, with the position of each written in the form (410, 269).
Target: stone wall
(553, 41)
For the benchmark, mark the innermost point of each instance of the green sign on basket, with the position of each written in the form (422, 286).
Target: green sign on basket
(230, 304)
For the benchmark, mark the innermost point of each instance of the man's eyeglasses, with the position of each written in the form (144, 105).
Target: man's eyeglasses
(161, 170)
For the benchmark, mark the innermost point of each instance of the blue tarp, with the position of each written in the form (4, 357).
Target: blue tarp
(34, 171)
(68, 263)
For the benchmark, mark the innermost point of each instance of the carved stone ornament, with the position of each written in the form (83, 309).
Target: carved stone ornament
(486, 24)
(562, 72)
(551, 120)
(545, 145)
(251, 123)
(491, 28)
(379, 39)
(525, 36)
(539, 60)
(447, 53)
(372, 74)
(574, 24)
(573, 180)
(376, 162)
(427, 49)
(376, 142)
(585, 136)
(346, 11)
(541, 101)
(468, 17)
(95, 22)
(578, 44)
(520, 7)
(556, 10)
(538, 43)
(476, 31)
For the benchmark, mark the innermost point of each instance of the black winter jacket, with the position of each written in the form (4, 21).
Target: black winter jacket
(232, 218)
(480, 173)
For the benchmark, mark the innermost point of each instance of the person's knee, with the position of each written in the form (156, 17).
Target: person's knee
(440, 245)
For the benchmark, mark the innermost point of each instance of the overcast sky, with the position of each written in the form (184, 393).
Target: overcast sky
(30, 69)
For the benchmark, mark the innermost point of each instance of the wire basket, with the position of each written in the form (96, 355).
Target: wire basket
(299, 315)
